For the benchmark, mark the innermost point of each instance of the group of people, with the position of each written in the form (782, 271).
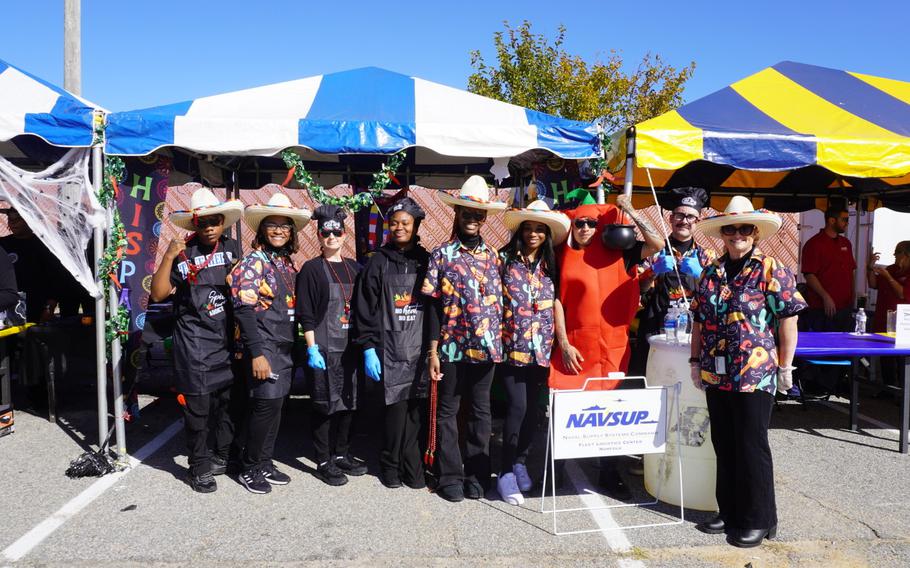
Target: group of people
(434, 327)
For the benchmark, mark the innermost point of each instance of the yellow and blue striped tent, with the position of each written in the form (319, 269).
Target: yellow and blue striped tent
(790, 136)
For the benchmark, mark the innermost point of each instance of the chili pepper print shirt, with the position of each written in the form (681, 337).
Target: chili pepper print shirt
(468, 284)
(254, 283)
(527, 318)
(738, 316)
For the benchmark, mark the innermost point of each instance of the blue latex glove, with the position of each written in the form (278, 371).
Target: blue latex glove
(665, 263)
(691, 266)
(314, 358)
(371, 364)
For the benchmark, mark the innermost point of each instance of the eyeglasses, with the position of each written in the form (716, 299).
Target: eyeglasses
(210, 221)
(326, 233)
(684, 217)
(472, 215)
(582, 223)
(744, 230)
(285, 228)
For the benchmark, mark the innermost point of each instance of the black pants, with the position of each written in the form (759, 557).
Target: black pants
(205, 416)
(263, 419)
(474, 381)
(331, 434)
(400, 455)
(745, 473)
(523, 386)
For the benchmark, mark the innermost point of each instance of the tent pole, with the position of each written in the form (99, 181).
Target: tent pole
(116, 366)
(100, 348)
(858, 275)
(630, 165)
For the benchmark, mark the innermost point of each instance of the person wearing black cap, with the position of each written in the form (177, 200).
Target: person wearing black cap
(325, 286)
(672, 274)
(389, 316)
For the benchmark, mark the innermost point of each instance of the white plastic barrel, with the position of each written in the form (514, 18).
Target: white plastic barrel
(667, 364)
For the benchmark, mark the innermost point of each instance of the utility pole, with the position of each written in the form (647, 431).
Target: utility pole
(72, 46)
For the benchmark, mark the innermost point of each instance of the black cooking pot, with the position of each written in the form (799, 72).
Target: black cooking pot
(619, 236)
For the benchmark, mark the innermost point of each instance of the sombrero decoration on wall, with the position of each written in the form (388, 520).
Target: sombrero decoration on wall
(741, 212)
(203, 203)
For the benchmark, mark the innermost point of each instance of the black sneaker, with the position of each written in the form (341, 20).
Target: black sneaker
(350, 465)
(452, 493)
(203, 483)
(219, 465)
(329, 473)
(473, 490)
(275, 477)
(254, 481)
(390, 480)
(419, 483)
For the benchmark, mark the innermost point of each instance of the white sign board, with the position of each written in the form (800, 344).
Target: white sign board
(902, 326)
(609, 423)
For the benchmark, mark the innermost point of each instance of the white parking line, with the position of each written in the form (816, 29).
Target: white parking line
(615, 537)
(45, 528)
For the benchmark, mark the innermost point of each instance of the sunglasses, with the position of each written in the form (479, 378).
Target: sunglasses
(684, 217)
(211, 221)
(744, 230)
(469, 215)
(326, 233)
(589, 223)
(284, 228)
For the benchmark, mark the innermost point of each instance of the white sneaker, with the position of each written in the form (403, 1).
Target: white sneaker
(508, 489)
(521, 475)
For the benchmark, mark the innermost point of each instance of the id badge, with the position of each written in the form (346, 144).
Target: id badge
(720, 365)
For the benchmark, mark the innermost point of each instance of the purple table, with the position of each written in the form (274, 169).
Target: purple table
(818, 345)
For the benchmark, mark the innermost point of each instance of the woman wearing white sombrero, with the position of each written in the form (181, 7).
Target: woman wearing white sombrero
(192, 272)
(529, 287)
(463, 280)
(740, 360)
(262, 285)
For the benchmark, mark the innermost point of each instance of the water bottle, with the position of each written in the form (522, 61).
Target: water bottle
(682, 325)
(670, 325)
(860, 322)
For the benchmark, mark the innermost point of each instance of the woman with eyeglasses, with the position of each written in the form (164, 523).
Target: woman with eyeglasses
(325, 287)
(529, 279)
(893, 285)
(262, 285)
(743, 341)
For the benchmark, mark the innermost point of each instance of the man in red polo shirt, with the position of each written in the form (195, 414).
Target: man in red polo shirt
(828, 266)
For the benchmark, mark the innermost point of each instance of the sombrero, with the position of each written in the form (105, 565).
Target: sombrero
(539, 211)
(474, 193)
(278, 204)
(203, 203)
(740, 212)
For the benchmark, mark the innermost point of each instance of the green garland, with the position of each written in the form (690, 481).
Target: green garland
(354, 203)
(117, 325)
(114, 170)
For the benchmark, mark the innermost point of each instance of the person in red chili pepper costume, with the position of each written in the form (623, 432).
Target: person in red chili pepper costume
(599, 296)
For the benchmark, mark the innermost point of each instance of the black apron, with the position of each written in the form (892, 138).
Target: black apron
(203, 320)
(404, 369)
(276, 328)
(658, 302)
(335, 389)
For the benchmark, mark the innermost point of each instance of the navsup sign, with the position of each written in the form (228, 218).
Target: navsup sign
(609, 423)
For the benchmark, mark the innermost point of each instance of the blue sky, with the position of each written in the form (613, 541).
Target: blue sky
(138, 54)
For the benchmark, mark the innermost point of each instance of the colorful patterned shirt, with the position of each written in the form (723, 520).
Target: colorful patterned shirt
(527, 318)
(738, 320)
(468, 284)
(254, 281)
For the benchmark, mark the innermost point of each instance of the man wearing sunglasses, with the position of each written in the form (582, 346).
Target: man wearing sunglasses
(671, 275)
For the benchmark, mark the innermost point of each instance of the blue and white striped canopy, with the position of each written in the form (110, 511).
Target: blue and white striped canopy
(29, 105)
(363, 111)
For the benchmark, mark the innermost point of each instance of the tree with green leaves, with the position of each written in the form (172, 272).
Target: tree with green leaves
(536, 73)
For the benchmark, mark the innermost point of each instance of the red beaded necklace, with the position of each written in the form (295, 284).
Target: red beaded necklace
(193, 270)
(347, 295)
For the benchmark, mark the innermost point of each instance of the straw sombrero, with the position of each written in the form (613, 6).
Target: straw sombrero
(740, 212)
(474, 193)
(539, 211)
(204, 203)
(278, 204)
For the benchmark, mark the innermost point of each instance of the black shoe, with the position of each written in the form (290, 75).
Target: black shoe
(611, 482)
(452, 493)
(419, 483)
(714, 526)
(473, 490)
(219, 465)
(390, 480)
(274, 476)
(329, 473)
(203, 483)
(350, 465)
(749, 538)
(254, 481)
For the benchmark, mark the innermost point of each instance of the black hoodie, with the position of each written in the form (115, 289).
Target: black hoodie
(368, 305)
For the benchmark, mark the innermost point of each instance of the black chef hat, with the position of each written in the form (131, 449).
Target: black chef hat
(409, 206)
(694, 197)
(329, 217)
